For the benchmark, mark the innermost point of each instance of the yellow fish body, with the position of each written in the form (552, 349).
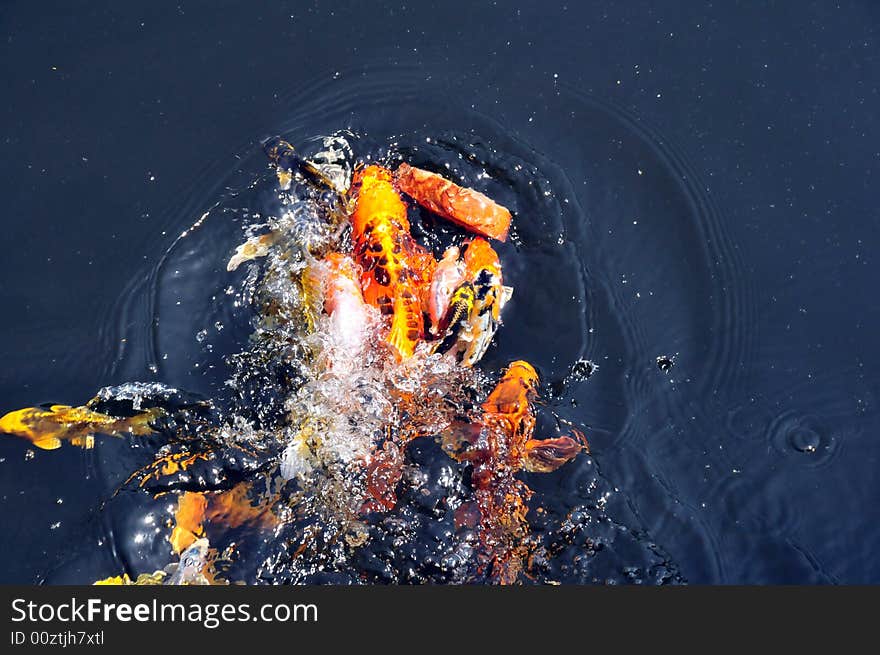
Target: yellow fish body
(47, 428)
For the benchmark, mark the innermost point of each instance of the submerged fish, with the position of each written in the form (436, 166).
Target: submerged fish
(499, 448)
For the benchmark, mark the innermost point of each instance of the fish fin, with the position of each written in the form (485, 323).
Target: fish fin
(547, 455)
(140, 424)
(506, 295)
(285, 177)
(47, 443)
(406, 328)
(253, 248)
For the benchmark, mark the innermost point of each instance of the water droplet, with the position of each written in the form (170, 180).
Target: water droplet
(665, 363)
(805, 440)
(28, 454)
(582, 369)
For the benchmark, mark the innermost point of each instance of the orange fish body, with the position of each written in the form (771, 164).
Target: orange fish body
(466, 207)
(508, 410)
(228, 509)
(396, 269)
(507, 413)
(498, 451)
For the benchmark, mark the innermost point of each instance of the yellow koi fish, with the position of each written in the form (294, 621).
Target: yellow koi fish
(47, 428)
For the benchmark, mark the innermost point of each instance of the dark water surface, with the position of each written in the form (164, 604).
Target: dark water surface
(695, 213)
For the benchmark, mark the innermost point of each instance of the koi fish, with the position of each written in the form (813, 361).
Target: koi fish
(329, 176)
(509, 407)
(498, 449)
(48, 428)
(474, 311)
(465, 207)
(228, 509)
(394, 267)
(336, 279)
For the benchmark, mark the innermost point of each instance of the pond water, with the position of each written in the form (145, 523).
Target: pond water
(693, 253)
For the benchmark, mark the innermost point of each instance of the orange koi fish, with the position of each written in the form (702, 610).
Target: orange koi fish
(48, 428)
(396, 269)
(500, 448)
(229, 509)
(466, 207)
